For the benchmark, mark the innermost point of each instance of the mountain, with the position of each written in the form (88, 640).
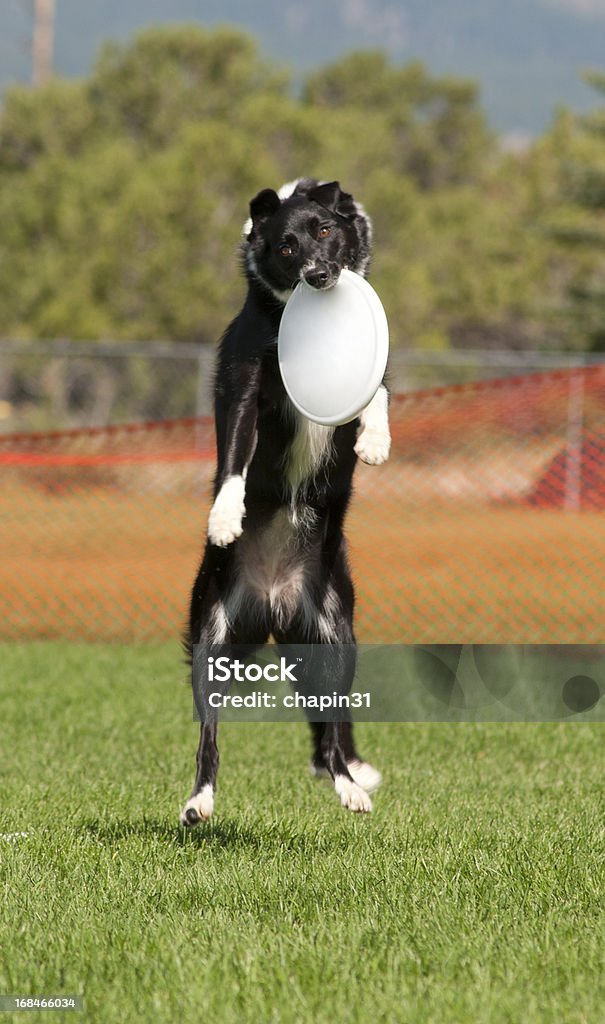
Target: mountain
(527, 55)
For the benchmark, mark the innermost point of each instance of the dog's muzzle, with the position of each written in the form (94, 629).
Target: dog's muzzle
(322, 275)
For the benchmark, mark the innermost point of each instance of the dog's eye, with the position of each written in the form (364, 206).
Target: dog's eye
(324, 231)
(285, 250)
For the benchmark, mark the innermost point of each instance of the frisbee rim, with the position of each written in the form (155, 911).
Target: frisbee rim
(381, 349)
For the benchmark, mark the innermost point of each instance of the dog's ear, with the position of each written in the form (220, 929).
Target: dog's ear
(264, 205)
(327, 195)
(332, 198)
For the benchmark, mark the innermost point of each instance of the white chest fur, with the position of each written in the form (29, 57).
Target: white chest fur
(311, 448)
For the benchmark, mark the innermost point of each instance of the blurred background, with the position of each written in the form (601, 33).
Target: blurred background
(133, 135)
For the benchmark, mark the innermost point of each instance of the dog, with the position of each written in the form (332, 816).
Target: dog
(275, 561)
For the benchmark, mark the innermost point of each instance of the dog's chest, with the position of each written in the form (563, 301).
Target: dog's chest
(309, 450)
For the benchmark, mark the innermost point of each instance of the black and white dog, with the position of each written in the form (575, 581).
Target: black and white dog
(275, 561)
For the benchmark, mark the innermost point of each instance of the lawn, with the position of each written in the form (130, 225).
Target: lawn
(472, 893)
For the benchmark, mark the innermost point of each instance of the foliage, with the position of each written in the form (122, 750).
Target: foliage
(435, 131)
(577, 221)
(122, 196)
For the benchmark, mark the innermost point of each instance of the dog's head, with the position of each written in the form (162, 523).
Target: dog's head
(307, 231)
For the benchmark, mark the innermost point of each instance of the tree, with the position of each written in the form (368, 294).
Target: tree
(576, 221)
(436, 133)
(121, 197)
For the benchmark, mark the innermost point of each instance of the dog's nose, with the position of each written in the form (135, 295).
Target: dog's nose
(317, 277)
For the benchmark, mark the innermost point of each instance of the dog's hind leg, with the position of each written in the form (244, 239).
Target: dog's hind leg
(326, 621)
(334, 624)
(200, 804)
(318, 767)
(362, 772)
(224, 621)
(207, 625)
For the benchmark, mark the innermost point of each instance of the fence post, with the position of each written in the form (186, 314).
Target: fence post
(575, 429)
(203, 404)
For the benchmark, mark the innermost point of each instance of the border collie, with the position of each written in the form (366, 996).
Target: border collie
(275, 561)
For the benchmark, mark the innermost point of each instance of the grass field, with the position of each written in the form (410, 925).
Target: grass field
(473, 893)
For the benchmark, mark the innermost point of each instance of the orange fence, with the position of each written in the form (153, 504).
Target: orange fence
(487, 525)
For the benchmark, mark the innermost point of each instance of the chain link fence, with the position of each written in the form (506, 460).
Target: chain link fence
(63, 384)
(487, 525)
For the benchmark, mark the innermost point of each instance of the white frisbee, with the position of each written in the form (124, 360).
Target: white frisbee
(332, 349)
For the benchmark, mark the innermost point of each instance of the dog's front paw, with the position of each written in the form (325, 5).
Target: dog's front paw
(227, 513)
(373, 446)
(352, 796)
(198, 808)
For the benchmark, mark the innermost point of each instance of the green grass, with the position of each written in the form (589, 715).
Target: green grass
(472, 893)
